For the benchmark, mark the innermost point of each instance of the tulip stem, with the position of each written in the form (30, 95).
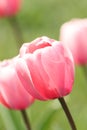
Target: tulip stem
(26, 119)
(67, 112)
(17, 30)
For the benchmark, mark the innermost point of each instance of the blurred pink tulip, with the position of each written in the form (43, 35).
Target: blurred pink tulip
(73, 35)
(46, 68)
(12, 93)
(9, 7)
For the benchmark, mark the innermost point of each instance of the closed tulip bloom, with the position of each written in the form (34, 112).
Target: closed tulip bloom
(48, 66)
(73, 34)
(9, 7)
(12, 93)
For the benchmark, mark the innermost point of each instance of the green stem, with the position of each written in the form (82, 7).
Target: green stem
(26, 119)
(17, 30)
(67, 112)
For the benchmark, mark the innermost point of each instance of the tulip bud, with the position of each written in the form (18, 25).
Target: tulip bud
(46, 68)
(73, 35)
(9, 7)
(12, 93)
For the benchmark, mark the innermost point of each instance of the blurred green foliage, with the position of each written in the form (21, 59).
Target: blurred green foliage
(38, 18)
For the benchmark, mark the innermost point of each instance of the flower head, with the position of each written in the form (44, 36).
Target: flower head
(48, 66)
(73, 35)
(12, 93)
(9, 7)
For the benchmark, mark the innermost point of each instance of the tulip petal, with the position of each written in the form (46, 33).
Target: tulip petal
(24, 75)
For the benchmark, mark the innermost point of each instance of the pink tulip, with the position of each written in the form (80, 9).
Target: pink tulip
(46, 68)
(73, 34)
(9, 7)
(12, 93)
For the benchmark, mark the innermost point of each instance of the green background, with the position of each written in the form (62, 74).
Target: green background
(44, 18)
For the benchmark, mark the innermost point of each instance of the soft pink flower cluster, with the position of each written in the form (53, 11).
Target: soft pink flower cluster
(44, 69)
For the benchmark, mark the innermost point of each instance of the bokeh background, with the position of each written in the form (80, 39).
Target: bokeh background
(44, 18)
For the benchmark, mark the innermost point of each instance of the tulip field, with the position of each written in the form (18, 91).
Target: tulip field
(36, 71)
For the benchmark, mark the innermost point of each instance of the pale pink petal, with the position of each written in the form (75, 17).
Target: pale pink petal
(25, 78)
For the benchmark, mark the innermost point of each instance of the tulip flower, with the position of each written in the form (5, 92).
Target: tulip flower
(12, 93)
(46, 70)
(9, 7)
(48, 66)
(73, 34)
